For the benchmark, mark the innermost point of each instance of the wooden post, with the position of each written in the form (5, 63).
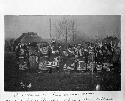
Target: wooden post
(50, 28)
(66, 36)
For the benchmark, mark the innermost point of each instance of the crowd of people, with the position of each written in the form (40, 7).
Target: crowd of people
(90, 56)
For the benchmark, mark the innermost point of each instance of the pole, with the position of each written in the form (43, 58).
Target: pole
(50, 28)
(73, 30)
(66, 36)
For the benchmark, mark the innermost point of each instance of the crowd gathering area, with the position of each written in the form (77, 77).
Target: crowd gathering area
(84, 61)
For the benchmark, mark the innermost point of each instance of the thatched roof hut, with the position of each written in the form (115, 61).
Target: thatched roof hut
(27, 38)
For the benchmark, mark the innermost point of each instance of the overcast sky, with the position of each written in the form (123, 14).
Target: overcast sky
(87, 25)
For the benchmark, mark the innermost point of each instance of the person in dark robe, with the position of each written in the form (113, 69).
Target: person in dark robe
(86, 54)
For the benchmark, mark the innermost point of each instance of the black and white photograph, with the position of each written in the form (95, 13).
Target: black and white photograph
(62, 53)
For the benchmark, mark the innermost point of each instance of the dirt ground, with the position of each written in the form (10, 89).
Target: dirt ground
(15, 80)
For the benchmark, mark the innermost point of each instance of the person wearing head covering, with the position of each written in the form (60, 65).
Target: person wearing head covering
(86, 54)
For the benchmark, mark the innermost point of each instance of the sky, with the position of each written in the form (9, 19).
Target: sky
(88, 26)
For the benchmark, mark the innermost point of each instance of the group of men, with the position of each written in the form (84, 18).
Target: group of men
(73, 56)
(86, 56)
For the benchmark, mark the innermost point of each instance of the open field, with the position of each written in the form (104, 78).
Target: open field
(56, 81)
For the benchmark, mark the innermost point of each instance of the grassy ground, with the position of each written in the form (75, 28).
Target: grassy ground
(62, 81)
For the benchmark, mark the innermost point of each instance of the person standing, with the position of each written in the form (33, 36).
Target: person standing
(86, 54)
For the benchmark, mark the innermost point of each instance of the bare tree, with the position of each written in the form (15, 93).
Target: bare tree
(9, 45)
(65, 30)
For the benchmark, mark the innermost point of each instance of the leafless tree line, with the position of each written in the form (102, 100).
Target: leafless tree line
(65, 30)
